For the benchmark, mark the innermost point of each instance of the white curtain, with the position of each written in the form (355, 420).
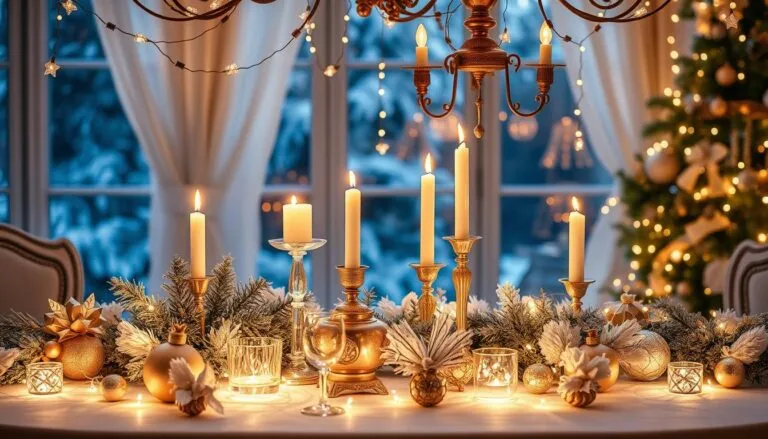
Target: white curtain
(624, 65)
(198, 130)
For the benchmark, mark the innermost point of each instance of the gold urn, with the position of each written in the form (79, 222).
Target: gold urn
(355, 372)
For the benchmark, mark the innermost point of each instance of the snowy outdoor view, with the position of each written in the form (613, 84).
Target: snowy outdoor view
(92, 146)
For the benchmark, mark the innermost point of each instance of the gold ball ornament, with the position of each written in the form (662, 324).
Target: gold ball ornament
(662, 167)
(593, 349)
(113, 388)
(725, 75)
(580, 398)
(82, 357)
(647, 359)
(718, 107)
(748, 180)
(729, 372)
(427, 388)
(52, 349)
(538, 378)
(156, 377)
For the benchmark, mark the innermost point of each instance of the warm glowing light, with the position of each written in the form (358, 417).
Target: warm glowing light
(428, 164)
(197, 201)
(575, 204)
(293, 199)
(545, 34)
(421, 36)
(352, 180)
(461, 133)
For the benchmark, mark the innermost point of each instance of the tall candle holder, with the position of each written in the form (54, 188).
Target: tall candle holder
(199, 286)
(355, 372)
(427, 274)
(298, 371)
(462, 275)
(576, 290)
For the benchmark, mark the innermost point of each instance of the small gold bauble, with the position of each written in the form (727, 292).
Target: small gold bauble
(538, 378)
(729, 372)
(82, 357)
(662, 167)
(725, 75)
(718, 107)
(113, 388)
(158, 362)
(52, 349)
(579, 398)
(427, 388)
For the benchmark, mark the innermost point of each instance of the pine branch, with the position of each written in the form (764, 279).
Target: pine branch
(181, 301)
(221, 288)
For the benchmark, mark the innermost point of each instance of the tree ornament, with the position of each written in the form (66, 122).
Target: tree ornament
(646, 357)
(538, 378)
(113, 388)
(52, 349)
(729, 372)
(748, 180)
(78, 327)
(725, 75)
(594, 349)
(662, 167)
(193, 394)
(627, 308)
(579, 387)
(82, 357)
(159, 360)
(684, 289)
(718, 107)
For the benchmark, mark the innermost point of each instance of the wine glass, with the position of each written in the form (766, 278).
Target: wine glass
(323, 340)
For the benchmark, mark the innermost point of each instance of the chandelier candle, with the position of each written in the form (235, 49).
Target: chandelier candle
(197, 239)
(352, 224)
(427, 254)
(297, 222)
(461, 183)
(422, 51)
(545, 50)
(575, 243)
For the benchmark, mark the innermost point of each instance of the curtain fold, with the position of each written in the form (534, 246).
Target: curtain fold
(203, 131)
(624, 65)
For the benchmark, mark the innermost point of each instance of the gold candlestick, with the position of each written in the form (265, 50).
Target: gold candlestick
(355, 372)
(462, 275)
(577, 290)
(427, 273)
(199, 286)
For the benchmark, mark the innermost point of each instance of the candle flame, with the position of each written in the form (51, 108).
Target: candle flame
(575, 204)
(352, 179)
(197, 200)
(421, 36)
(428, 164)
(461, 133)
(545, 34)
(293, 199)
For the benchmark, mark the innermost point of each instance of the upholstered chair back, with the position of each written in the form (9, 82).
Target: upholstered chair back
(746, 288)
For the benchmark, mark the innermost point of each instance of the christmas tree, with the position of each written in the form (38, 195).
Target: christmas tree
(703, 187)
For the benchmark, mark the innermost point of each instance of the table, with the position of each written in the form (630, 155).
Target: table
(630, 409)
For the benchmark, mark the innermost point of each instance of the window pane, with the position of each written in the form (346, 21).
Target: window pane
(111, 234)
(78, 37)
(273, 264)
(544, 148)
(534, 240)
(409, 134)
(4, 152)
(5, 214)
(92, 142)
(390, 242)
(290, 158)
(3, 29)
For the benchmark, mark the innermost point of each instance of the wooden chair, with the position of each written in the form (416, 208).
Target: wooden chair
(746, 288)
(33, 270)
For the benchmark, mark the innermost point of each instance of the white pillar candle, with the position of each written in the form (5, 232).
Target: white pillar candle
(427, 254)
(297, 222)
(545, 50)
(197, 239)
(576, 232)
(422, 51)
(461, 188)
(352, 224)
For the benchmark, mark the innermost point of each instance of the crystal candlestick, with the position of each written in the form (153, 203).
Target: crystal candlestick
(298, 371)
(427, 274)
(462, 275)
(199, 286)
(576, 290)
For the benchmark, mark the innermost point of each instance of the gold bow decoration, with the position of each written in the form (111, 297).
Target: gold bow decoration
(74, 319)
(704, 157)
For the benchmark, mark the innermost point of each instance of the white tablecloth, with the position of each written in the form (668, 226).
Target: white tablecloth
(629, 410)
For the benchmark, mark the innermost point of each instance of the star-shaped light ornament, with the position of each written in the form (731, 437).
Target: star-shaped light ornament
(74, 319)
(732, 21)
(69, 6)
(51, 68)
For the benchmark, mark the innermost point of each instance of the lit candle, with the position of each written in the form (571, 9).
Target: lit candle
(545, 50)
(427, 214)
(197, 239)
(461, 184)
(575, 243)
(352, 224)
(422, 51)
(297, 222)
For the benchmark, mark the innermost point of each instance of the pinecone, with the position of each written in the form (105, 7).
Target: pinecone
(193, 408)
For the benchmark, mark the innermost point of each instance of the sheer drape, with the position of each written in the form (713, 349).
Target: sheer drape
(624, 65)
(197, 130)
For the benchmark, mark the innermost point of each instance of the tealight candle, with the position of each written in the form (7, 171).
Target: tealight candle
(685, 377)
(45, 378)
(297, 222)
(495, 373)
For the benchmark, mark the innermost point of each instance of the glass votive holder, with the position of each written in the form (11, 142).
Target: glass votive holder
(45, 378)
(254, 365)
(495, 373)
(686, 377)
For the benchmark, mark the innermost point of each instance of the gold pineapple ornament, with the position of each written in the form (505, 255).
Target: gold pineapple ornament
(578, 387)
(730, 371)
(78, 328)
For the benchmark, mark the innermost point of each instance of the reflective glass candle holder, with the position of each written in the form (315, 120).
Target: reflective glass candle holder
(254, 365)
(685, 377)
(45, 378)
(495, 373)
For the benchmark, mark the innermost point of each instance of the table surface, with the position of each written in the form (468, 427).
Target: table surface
(630, 409)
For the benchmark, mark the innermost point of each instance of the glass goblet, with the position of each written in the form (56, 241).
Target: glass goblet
(323, 341)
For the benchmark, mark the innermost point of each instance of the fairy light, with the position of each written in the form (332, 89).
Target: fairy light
(140, 38)
(231, 69)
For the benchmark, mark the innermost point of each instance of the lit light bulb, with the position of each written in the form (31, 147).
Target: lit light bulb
(421, 36)
(545, 33)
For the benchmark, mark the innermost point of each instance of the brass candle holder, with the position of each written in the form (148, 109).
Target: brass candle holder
(427, 273)
(355, 372)
(298, 371)
(576, 290)
(462, 275)
(199, 286)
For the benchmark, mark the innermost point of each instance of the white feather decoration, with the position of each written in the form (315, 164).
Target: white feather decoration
(586, 372)
(193, 395)
(617, 337)
(749, 346)
(556, 338)
(7, 358)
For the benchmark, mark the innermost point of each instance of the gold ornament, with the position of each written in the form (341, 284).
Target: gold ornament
(427, 388)
(748, 180)
(646, 358)
(82, 357)
(725, 75)
(459, 376)
(718, 107)
(158, 362)
(684, 289)
(52, 349)
(578, 386)
(593, 349)
(538, 378)
(663, 167)
(74, 319)
(113, 388)
(729, 372)
(625, 309)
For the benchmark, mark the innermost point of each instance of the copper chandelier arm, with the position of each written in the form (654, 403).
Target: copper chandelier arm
(410, 16)
(425, 101)
(619, 18)
(542, 98)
